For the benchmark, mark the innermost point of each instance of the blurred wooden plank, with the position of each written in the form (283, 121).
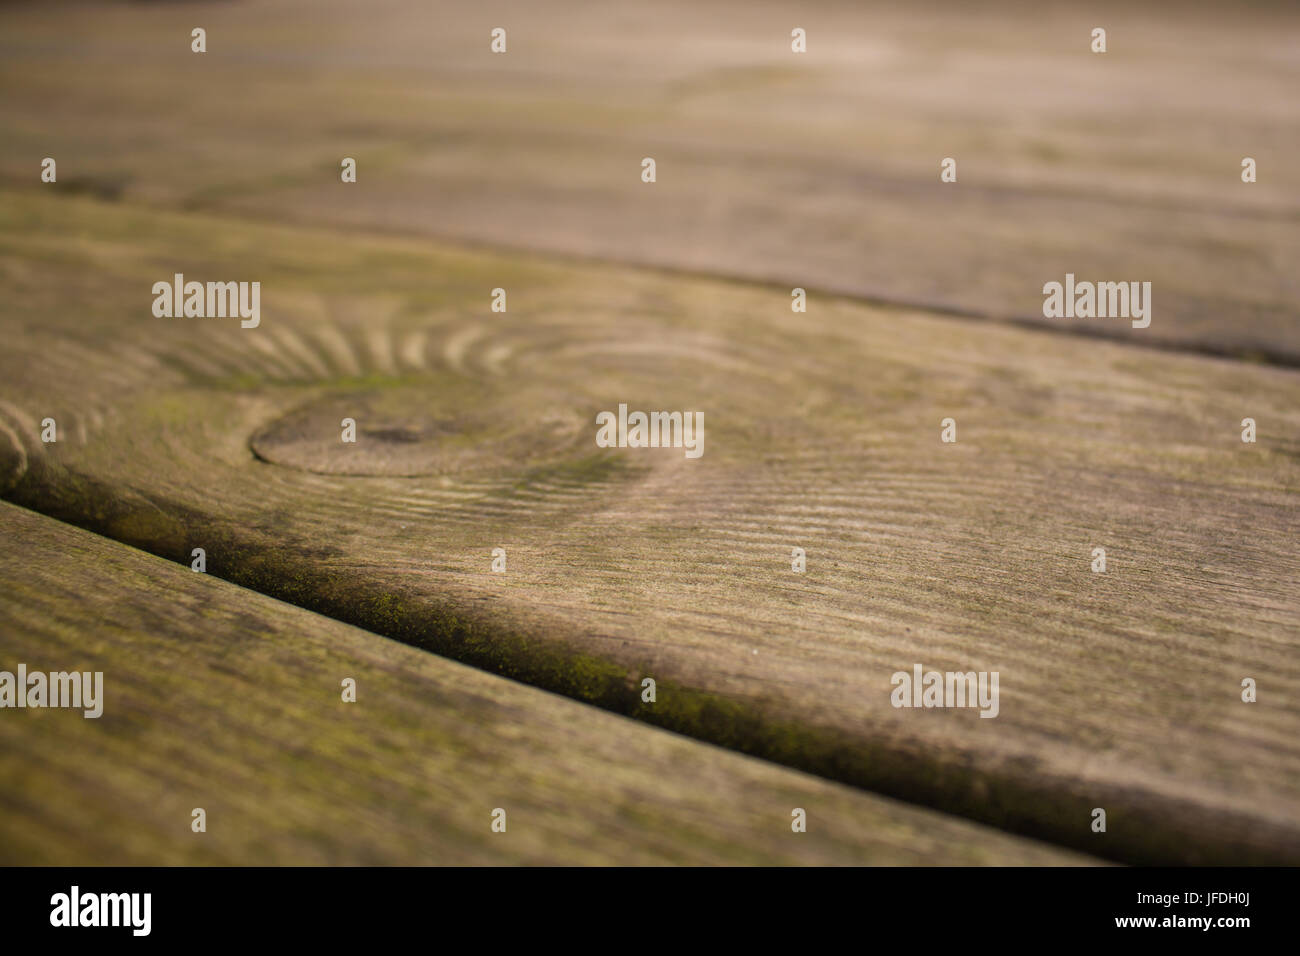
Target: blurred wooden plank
(818, 170)
(219, 698)
(1118, 690)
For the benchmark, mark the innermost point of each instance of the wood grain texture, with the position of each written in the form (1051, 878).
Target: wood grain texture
(224, 699)
(818, 170)
(1119, 690)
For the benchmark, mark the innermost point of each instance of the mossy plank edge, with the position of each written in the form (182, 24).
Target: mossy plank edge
(220, 698)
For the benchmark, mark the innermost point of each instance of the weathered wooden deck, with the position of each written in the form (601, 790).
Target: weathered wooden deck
(1119, 690)
(230, 701)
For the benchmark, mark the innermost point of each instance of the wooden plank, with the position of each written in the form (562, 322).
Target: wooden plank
(219, 698)
(1119, 690)
(818, 170)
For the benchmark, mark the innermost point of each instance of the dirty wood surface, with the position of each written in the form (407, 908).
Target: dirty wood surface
(219, 698)
(1118, 690)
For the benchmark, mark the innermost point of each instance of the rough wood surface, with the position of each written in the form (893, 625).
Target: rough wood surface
(818, 170)
(1119, 690)
(219, 698)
